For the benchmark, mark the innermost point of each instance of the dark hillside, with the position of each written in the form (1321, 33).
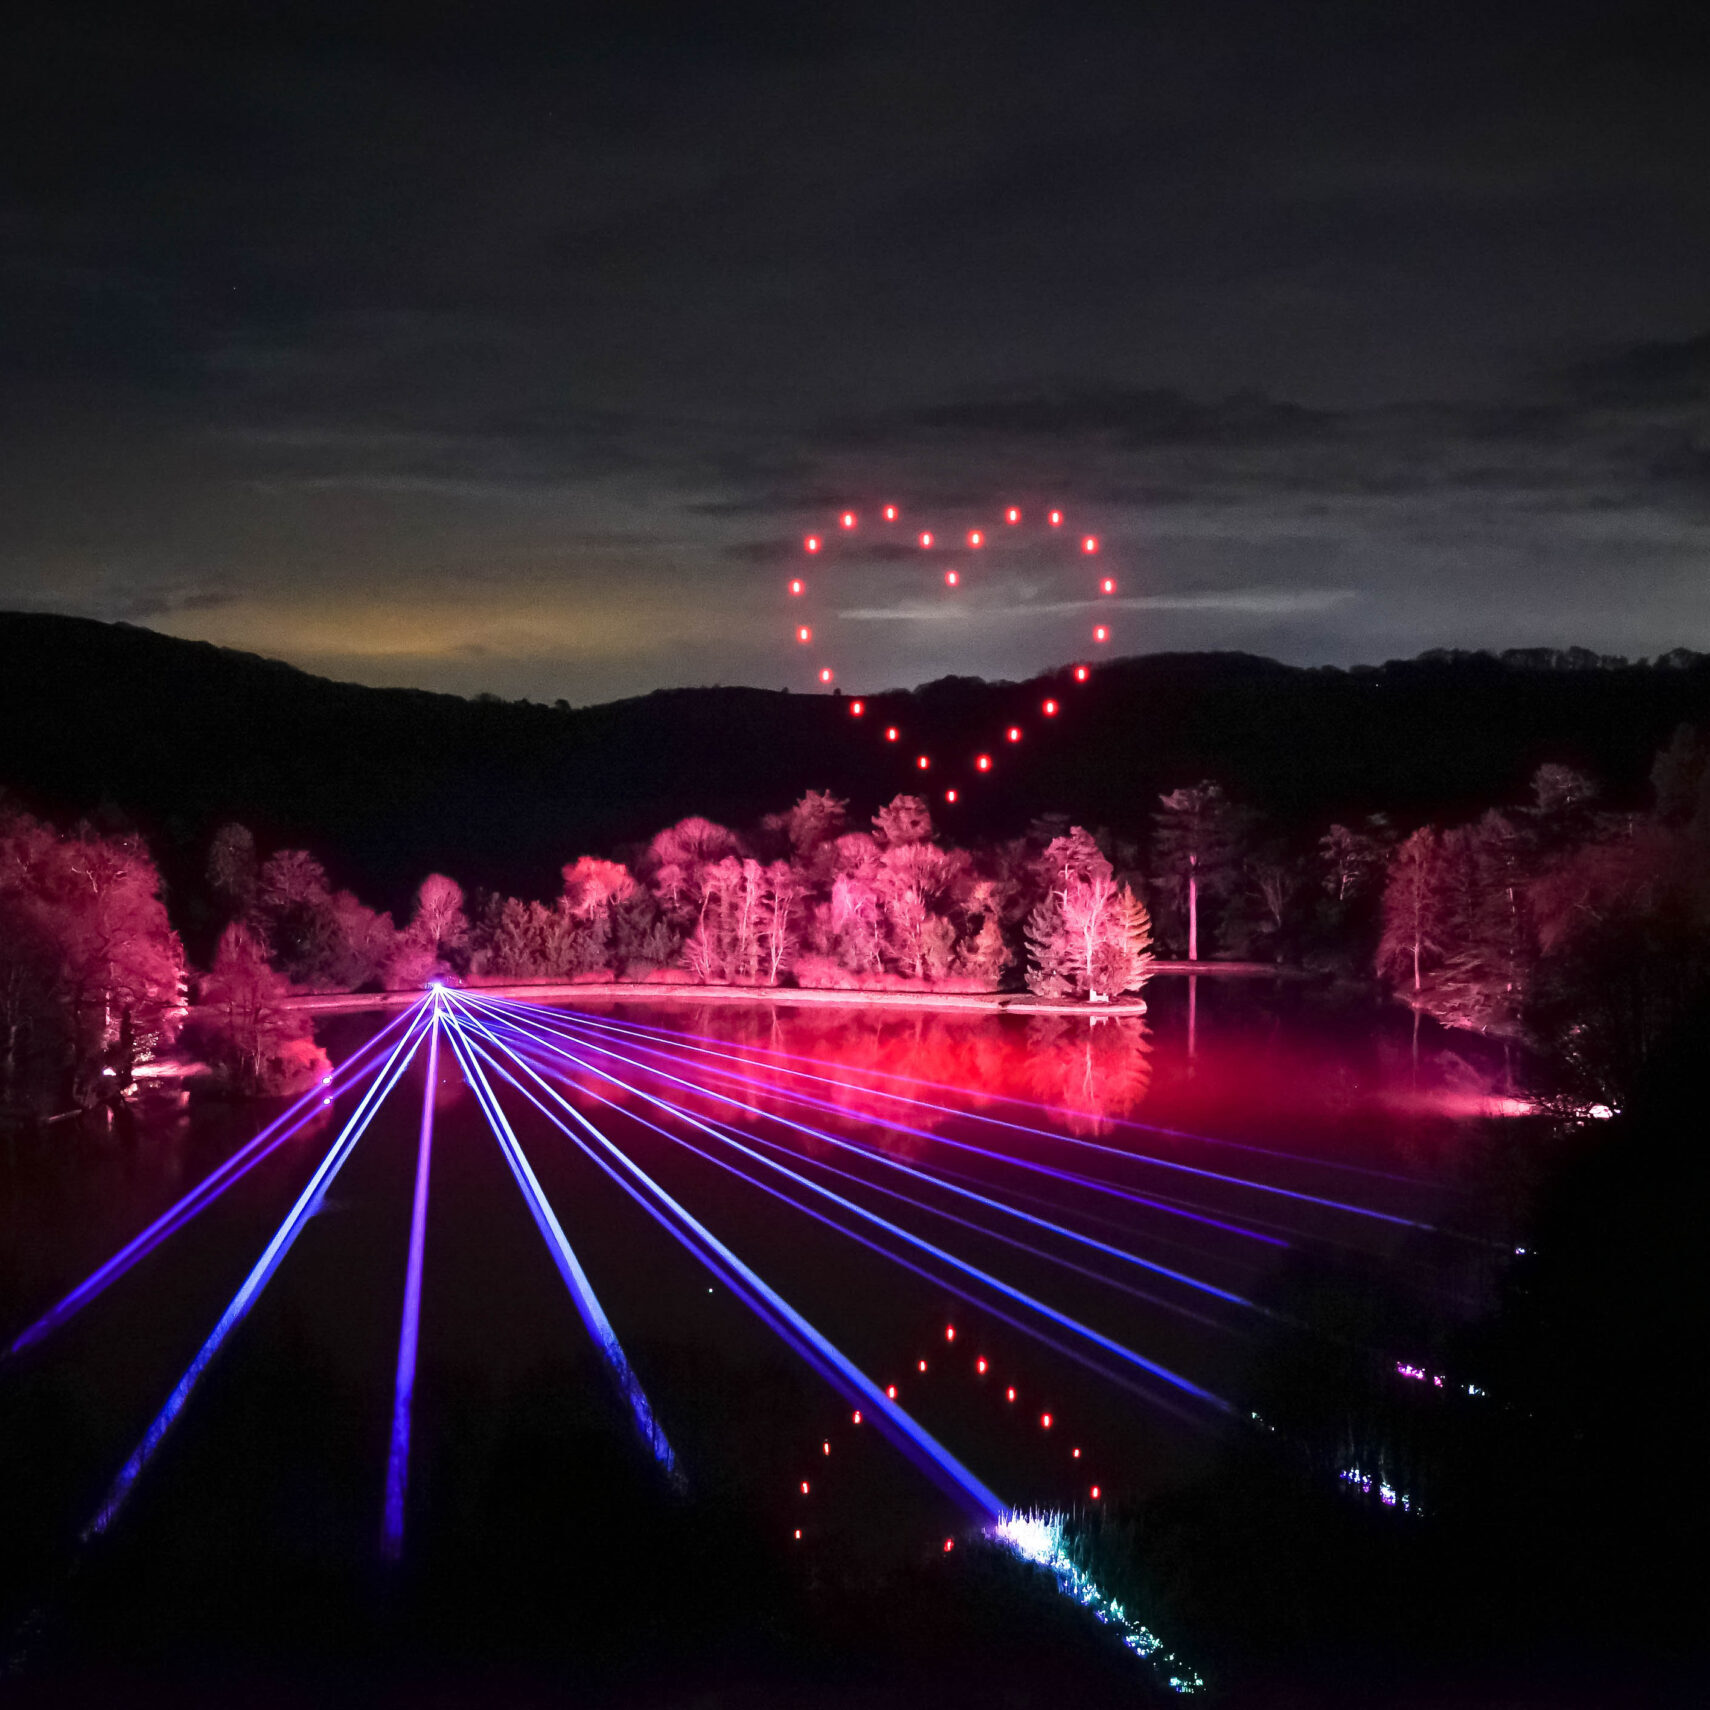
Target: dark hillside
(390, 783)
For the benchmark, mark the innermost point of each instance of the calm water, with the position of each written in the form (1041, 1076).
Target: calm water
(528, 1487)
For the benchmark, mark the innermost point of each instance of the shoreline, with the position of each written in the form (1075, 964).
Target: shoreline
(644, 991)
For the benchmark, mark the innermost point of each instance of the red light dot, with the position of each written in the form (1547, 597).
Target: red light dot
(1013, 734)
(949, 1332)
(892, 733)
(1101, 633)
(1090, 544)
(847, 519)
(951, 578)
(1076, 1455)
(890, 513)
(1082, 672)
(1012, 515)
(983, 762)
(857, 708)
(804, 634)
(1108, 585)
(949, 1545)
(825, 1447)
(924, 762)
(1009, 1395)
(804, 1487)
(812, 543)
(923, 1365)
(1049, 709)
(1044, 1420)
(980, 1367)
(1056, 519)
(825, 674)
(926, 540)
(857, 1420)
(891, 1391)
(950, 796)
(1095, 1493)
(798, 587)
(975, 538)
(798, 1534)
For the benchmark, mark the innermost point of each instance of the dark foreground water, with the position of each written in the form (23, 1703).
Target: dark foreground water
(544, 1553)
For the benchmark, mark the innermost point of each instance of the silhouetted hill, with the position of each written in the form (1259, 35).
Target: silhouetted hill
(388, 784)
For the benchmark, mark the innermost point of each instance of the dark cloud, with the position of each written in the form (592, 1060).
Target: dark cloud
(529, 339)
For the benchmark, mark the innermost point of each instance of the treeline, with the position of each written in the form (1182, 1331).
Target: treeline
(1582, 930)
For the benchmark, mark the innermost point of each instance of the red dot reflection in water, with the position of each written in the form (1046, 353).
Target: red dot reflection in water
(1108, 585)
(1049, 709)
(825, 674)
(892, 733)
(804, 634)
(982, 762)
(1101, 633)
(1090, 544)
(890, 513)
(847, 519)
(1056, 519)
(975, 538)
(798, 587)
(812, 543)
(1012, 515)
(926, 540)
(924, 762)
(1082, 672)
(1013, 734)
(857, 708)
(951, 578)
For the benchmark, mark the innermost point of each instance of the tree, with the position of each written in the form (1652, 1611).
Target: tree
(903, 819)
(1088, 938)
(253, 1041)
(232, 868)
(1413, 909)
(1196, 844)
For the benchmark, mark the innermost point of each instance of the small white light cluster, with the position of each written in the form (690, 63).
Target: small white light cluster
(1387, 1494)
(1038, 1538)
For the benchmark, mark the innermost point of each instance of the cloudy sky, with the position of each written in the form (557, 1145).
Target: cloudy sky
(517, 348)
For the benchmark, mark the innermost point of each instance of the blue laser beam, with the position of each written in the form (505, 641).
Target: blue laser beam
(564, 1257)
(584, 1018)
(409, 1334)
(820, 1134)
(1020, 1296)
(1294, 1194)
(282, 1129)
(855, 1383)
(300, 1213)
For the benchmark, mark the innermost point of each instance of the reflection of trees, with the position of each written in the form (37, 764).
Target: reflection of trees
(1093, 1068)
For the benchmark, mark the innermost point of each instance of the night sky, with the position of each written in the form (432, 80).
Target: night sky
(516, 348)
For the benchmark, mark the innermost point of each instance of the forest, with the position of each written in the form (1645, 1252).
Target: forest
(1579, 929)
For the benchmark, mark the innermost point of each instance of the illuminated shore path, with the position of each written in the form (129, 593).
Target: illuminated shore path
(675, 991)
